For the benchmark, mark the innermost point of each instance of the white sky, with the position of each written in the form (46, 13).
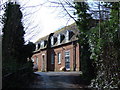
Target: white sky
(41, 20)
(45, 20)
(38, 20)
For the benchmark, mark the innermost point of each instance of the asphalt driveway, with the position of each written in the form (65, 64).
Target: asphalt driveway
(57, 80)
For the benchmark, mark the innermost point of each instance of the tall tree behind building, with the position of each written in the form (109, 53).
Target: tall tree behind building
(84, 24)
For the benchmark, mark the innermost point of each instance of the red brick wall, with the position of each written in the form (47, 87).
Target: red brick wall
(62, 50)
(40, 60)
(74, 49)
(78, 57)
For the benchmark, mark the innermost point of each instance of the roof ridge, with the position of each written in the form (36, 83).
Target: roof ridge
(64, 27)
(57, 31)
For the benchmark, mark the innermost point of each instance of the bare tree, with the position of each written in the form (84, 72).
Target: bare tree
(66, 8)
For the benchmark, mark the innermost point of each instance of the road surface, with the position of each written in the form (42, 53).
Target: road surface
(57, 80)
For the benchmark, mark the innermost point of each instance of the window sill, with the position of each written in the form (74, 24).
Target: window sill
(59, 63)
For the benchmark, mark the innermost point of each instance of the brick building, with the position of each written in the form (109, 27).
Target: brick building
(58, 49)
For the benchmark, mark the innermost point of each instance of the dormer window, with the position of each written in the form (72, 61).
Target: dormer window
(52, 41)
(42, 44)
(59, 39)
(36, 46)
(32, 59)
(67, 36)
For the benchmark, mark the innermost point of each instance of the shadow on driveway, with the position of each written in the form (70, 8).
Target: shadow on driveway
(58, 80)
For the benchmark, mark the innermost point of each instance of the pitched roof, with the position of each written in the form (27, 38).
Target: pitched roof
(72, 27)
(73, 32)
(43, 38)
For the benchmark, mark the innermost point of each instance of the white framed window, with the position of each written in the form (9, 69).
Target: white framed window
(37, 60)
(67, 36)
(59, 58)
(42, 44)
(67, 54)
(67, 60)
(52, 41)
(36, 46)
(32, 59)
(52, 58)
(59, 39)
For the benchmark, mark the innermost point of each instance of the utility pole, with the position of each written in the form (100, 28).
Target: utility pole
(99, 18)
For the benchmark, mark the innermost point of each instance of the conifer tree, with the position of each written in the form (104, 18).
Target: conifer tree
(13, 34)
(84, 25)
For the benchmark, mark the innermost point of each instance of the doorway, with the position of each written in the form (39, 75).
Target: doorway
(67, 60)
(43, 63)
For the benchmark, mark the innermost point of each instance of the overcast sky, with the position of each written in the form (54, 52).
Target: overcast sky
(45, 19)
(40, 20)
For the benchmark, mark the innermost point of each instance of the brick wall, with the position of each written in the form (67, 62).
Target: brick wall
(46, 65)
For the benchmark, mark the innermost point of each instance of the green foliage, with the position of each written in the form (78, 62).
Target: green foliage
(84, 24)
(105, 47)
(83, 21)
(28, 50)
(13, 33)
(14, 52)
(103, 41)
